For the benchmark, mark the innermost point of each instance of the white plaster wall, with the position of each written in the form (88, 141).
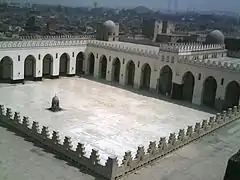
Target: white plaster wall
(156, 65)
(18, 66)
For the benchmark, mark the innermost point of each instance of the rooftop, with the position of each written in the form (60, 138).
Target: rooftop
(203, 159)
(106, 118)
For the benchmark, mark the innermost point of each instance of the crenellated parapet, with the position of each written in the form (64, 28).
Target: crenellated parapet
(189, 47)
(174, 141)
(111, 169)
(215, 64)
(40, 43)
(124, 48)
(52, 141)
(86, 37)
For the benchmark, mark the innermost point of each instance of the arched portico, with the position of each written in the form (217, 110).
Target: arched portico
(116, 67)
(29, 67)
(145, 76)
(6, 69)
(91, 64)
(64, 64)
(130, 73)
(103, 67)
(47, 65)
(188, 83)
(80, 63)
(232, 94)
(209, 92)
(165, 80)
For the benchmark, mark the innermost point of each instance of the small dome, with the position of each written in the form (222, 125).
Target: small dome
(55, 99)
(109, 25)
(215, 37)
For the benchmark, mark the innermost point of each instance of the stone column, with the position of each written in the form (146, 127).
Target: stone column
(197, 92)
(71, 69)
(154, 80)
(96, 68)
(55, 68)
(123, 74)
(220, 96)
(137, 77)
(109, 71)
(38, 69)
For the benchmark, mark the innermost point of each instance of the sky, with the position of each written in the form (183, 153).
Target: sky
(214, 5)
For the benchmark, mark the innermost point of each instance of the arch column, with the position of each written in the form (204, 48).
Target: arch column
(55, 72)
(38, 72)
(154, 80)
(122, 77)
(109, 70)
(220, 97)
(137, 77)
(71, 69)
(96, 68)
(197, 92)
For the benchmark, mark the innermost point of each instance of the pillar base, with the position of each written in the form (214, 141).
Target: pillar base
(54, 77)
(17, 81)
(37, 78)
(219, 104)
(70, 75)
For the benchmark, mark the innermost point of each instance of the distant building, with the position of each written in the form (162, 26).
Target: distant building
(108, 31)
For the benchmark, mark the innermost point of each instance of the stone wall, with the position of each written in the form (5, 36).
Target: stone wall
(112, 170)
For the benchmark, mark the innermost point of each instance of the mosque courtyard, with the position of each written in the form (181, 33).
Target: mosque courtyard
(109, 119)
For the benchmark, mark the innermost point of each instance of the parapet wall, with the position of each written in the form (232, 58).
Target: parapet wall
(112, 170)
(215, 64)
(190, 47)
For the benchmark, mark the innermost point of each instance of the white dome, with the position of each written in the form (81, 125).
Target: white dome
(109, 25)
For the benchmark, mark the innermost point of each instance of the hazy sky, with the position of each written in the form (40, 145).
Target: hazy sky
(228, 5)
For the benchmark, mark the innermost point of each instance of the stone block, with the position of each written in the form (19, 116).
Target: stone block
(172, 140)
(162, 146)
(55, 137)
(2, 110)
(67, 143)
(189, 132)
(211, 122)
(17, 118)
(45, 132)
(218, 118)
(181, 135)
(235, 110)
(197, 128)
(80, 150)
(230, 113)
(94, 157)
(35, 127)
(140, 153)
(152, 148)
(9, 113)
(127, 159)
(223, 116)
(112, 166)
(25, 121)
(205, 125)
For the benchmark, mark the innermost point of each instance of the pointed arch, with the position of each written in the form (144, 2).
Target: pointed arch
(103, 67)
(116, 69)
(80, 63)
(188, 82)
(145, 76)
(165, 80)
(209, 92)
(47, 65)
(6, 69)
(91, 64)
(64, 64)
(130, 73)
(232, 94)
(29, 67)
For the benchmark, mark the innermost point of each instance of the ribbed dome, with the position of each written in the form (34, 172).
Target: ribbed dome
(55, 99)
(215, 37)
(109, 25)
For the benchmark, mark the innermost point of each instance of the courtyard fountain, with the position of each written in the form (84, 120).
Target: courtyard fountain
(55, 107)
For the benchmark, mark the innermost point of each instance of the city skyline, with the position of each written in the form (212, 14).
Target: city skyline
(204, 5)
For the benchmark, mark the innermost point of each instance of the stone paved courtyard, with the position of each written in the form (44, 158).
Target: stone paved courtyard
(109, 119)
